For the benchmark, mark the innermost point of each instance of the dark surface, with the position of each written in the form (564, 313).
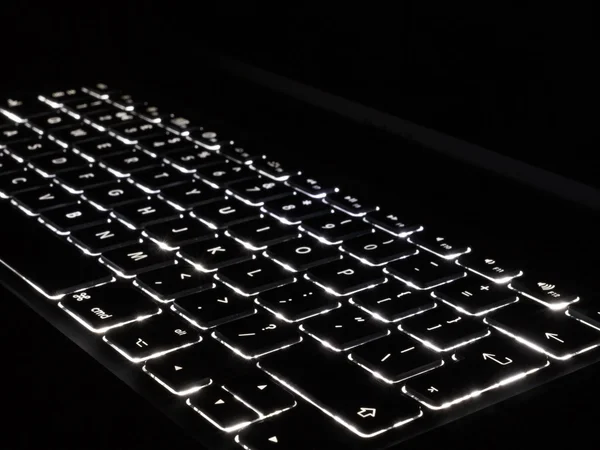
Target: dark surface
(57, 396)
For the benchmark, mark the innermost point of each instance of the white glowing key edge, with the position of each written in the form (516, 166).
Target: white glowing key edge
(245, 244)
(261, 415)
(568, 313)
(285, 319)
(330, 346)
(105, 329)
(480, 313)
(432, 346)
(333, 292)
(115, 270)
(153, 355)
(12, 116)
(383, 319)
(230, 429)
(185, 392)
(441, 255)
(364, 261)
(379, 376)
(350, 213)
(402, 234)
(152, 295)
(335, 417)
(553, 306)
(476, 393)
(251, 294)
(247, 357)
(500, 280)
(414, 286)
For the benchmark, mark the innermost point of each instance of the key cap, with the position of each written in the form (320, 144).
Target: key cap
(392, 301)
(442, 329)
(107, 119)
(295, 209)
(259, 234)
(222, 409)
(223, 175)
(27, 150)
(176, 124)
(163, 144)
(333, 229)
(439, 245)
(103, 238)
(349, 204)
(261, 393)
(377, 249)
(99, 90)
(224, 213)
(395, 358)
(190, 369)
(85, 106)
(257, 335)
(131, 132)
(473, 297)
(78, 216)
(271, 168)
(488, 268)
(423, 271)
(62, 97)
(188, 195)
(8, 164)
(109, 306)
(190, 159)
(546, 331)
(21, 181)
(112, 195)
(101, 148)
(52, 122)
(143, 213)
(344, 328)
(240, 155)
(205, 138)
(78, 180)
(174, 281)
(154, 179)
(392, 223)
(587, 312)
(298, 301)
(309, 186)
(125, 164)
(15, 134)
(483, 367)
(43, 199)
(151, 338)
(213, 254)
(254, 276)
(74, 136)
(136, 259)
(57, 163)
(213, 307)
(5, 122)
(345, 276)
(256, 192)
(125, 102)
(542, 292)
(30, 250)
(150, 113)
(25, 107)
(363, 405)
(177, 232)
(302, 253)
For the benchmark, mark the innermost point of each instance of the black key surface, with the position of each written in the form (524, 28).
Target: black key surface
(44, 199)
(224, 213)
(150, 113)
(108, 306)
(237, 154)
(443, 329)
(125, 102)
(377, 248)
(63, 97)
(21, 181)
(153, 337)
(57, 163)
(174, 233)
(260, 392)
(137, 258)
(294, 209)
(393, 223)
(205, 138)
(309, 186)
(193, 158)
(395, 358)
(74, 136)
(107, 119)
(254, 276)
(131, 132)
(112, 195)
(543, 292)
(335, 228)
(8, 164)
(168, 283)
(79, 180)
(101, 148)
(224, 174)
(222, 409)
(25, 107)
(259, 190)
(392, 301)
(155, 179)
(52, 122)
(489, 268)
(99, 90)
(257, 335)
(344, 328)
(349, 204)
(473, 296)
(588, 312)
(302, 253)
(482, 367)
(213, 254)
(77, 216)
(259, 234)
(86, 106)
(439, 244)
(423, 271)
(271, 168)
(102, 238)
(345, 276)
(125, 164)
(143, 213)
(163, 144)
(363, 405)
(16, 133)
(213, 307)
(176, 124)
(190, 194)
(30, 249)
(27, 150)
(547, 331)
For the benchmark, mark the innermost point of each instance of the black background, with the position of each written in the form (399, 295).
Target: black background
(516, 80)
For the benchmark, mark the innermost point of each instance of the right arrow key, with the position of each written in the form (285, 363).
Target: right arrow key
(550, 332)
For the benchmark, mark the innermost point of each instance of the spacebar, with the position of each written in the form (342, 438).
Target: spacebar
(49, 264)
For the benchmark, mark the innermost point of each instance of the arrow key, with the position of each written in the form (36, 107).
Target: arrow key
(261, 393)
(551, 332)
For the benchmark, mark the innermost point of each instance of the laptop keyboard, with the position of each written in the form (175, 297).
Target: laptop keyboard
(247, 289)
